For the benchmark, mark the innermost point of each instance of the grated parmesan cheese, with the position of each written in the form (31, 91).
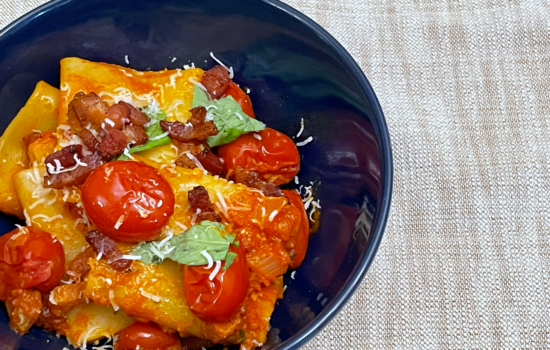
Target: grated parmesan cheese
(126, 59)
(119, 222)
(148, 295)
(216, 270)
(195, 216)
(27, 217)
(110, 122)
(202, 87)
(111, 297)
(272, 215)
(229, 69)
(86, 335)
(40, 201)
(293, 275)
(301, 128)
(131, 257)
(182, 226)
(47, 218)
(159, 136)
(209, 258)
(51, 299)
(305, 142)
(257, 136)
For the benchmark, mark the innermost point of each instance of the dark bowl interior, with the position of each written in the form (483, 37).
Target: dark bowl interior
(294, 69)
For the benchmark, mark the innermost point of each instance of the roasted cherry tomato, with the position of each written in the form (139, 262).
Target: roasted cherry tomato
(272, 155)
(300, 242)
(242, 98)
(128, 201)
(146, 336)
(30, 257)
(217, 300)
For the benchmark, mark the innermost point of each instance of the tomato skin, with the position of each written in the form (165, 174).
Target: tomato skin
(131, 190)
(301, 240)
(148, 336)
(217, 300)
(30, 259)
(275, 157)
(242, 98)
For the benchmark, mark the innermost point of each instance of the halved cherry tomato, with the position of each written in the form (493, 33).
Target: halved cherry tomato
(217, 300)
(128, 201)
(301, 240)
(30, 257)
(242, 98)
(272, 155)
(146, 336)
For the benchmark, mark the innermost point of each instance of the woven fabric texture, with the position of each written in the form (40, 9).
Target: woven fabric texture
(465, 260)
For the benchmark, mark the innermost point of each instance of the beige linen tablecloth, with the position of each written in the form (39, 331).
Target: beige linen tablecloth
(465, 261)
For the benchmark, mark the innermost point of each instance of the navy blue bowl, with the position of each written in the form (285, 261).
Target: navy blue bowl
(295, 70)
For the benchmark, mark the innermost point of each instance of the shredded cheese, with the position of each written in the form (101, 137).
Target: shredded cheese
(202, 87)
(209, 258)
(195, 216)
(51, 299)
(131, 257)
(159, 136)
(301, 128)
(229, 69)
(222, 202)
(182, 226)
(111, 297)
(305, 142)
(257, 136)
(47, 218)
(48, 98)
(119, 222)
(86, 335)
(293, 275)
(148, 295)
(166, 239)
(110, 122)
(273, 214)
(27, 217)
(216, 270)
(40, 201)
(126, 59)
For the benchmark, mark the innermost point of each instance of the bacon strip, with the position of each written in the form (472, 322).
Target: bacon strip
(76, 176)
(195, 130)
(107, 246)
(199, 199)
(252, 179)
(216, 81)
(65, 158)
(79, 267)
(86, 108)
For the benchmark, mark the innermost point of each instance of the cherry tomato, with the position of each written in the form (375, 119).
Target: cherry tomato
(148, 336)
(128, 201)
(274, 157)
(242, 98)
(300, 242)
(217, 300)
(30, 257)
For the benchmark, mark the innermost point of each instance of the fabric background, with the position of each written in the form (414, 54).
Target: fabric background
(465, 260)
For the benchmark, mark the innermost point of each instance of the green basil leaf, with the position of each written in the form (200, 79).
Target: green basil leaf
(228, 116)
(229, 258)
(153, 130)
(188, 248)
